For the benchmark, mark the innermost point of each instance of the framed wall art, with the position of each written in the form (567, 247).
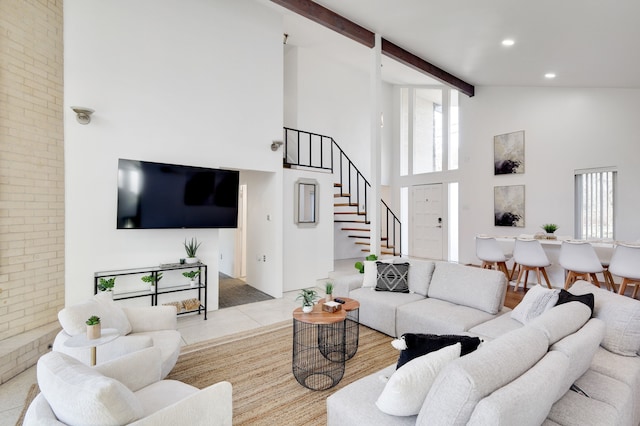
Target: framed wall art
(508, 202)
(508, 153)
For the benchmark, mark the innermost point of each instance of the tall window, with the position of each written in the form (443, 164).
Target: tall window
(595, 195)
(428, 127)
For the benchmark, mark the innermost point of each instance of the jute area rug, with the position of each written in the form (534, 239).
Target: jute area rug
(258, 365)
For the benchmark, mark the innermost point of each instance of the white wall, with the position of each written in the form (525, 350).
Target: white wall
(565, 129)
(190, 82)
(308, 251)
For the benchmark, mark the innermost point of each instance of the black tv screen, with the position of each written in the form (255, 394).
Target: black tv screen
(157, 196)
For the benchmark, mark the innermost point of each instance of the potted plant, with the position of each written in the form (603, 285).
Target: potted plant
(93, 327)
(328, 291)
(308, 297)
(191, 248)
(192, 275)
(152, 279)
(105, 284)
(550, 228)
(360, 265)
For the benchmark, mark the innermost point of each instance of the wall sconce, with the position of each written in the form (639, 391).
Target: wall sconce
(83, 115)
(275, 145)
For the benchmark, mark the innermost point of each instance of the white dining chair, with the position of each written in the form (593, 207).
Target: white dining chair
(529, 255)
(580, 260)
(625, 263)
(489, 252)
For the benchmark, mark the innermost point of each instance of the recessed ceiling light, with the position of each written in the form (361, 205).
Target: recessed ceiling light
(550, 75)
(508, 42)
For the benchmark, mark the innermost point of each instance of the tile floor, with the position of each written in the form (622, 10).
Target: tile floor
(193, 329)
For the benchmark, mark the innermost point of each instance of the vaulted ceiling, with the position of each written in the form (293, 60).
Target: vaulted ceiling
(586, 43)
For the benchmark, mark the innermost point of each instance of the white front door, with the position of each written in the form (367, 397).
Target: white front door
(426, 225)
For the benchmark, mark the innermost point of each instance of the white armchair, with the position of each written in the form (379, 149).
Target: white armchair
(139, 328)
(127, 390)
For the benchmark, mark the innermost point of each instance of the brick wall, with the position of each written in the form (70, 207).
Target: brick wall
(31, 165)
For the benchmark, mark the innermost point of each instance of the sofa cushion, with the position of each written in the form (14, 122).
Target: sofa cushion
(576, 409)
(72, 318)
(496, 327)
(78, 394)
(561, 321)
(525, 401)
(465, 381)
(437, 316)
(621, 316)
(420, 273)
(354, 404)
(378, 308)
(580, 348)
(566, 297)
(417, 345)
(618, 394)
(452, 282)
(393, 277)
(163, 393)
(534, 303)
(407, 388)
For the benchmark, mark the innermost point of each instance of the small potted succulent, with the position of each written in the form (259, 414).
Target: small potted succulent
(550, 228)
(328, 291)
(192, 275)
(106, 284)
(93, 327)
(309, 298)
(191, 248)
(152, 280)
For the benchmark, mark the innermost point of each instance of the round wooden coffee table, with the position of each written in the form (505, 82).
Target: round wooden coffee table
(319, 347)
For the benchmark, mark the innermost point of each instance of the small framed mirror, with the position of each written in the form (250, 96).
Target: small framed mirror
(306, 202)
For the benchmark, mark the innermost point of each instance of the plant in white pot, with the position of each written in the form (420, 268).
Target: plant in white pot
(192, 275)
(309, 298)
(191, 248)
(93, 327)
(328, 291)
(152, 280)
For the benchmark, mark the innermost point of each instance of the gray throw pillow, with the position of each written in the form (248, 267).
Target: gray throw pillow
(393, 277)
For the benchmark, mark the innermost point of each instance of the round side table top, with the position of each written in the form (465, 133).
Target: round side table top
(318, 316)
(81, 340)
(349, 304)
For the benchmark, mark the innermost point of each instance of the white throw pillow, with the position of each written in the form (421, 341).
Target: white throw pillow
(114, 316)
(73, 318)
(80, 395)
(537, 300)
(408, 386)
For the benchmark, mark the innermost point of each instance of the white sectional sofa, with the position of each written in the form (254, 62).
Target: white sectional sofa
(444, 298)
(563, 367)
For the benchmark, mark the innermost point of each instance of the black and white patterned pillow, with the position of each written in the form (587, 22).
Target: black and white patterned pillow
(393, 277)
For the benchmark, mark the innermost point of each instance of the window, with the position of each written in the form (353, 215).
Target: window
(595, 195)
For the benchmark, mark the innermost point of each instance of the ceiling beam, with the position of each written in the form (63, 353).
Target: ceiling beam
(329, 19)
(404, 57)
(350, 29)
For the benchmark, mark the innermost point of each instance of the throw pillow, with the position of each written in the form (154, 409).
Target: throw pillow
(393, 277)
(537, 300)
(407, 388)
(416, 345)
(587, 299)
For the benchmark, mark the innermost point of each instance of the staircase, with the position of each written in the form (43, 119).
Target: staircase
(351, 189)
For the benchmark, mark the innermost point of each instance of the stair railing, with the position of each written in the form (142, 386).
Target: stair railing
(312, 150)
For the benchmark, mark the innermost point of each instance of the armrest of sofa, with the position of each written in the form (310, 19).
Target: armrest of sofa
(135, 370)
(211, 406)
(152, 318)
(343, 284)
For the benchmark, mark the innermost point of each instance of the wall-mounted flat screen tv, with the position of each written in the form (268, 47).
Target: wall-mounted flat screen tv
(161, 196)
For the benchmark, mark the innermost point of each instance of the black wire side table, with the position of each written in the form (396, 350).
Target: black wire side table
(352, 327)
(319, 347)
